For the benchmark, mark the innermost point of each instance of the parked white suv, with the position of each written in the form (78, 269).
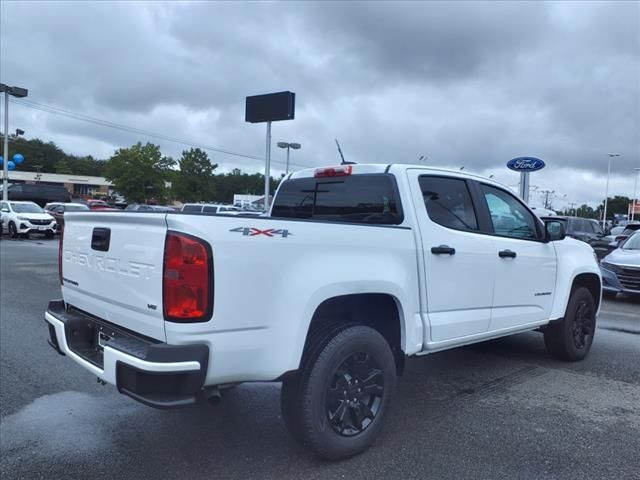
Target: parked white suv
(356, 268)
(209, 208)
(24, 218)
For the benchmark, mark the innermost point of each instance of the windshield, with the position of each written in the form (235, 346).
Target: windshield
(26, 208)
(633, 243)
(75, 208)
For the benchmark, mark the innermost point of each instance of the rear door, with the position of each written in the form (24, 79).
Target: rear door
(459, 259)
(526, 265)
(112, 268)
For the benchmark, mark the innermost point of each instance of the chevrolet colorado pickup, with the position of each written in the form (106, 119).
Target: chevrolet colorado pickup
(355, 268)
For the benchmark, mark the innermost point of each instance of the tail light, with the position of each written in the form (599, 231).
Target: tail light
(341, 171)
(60, 255)
(187, 279)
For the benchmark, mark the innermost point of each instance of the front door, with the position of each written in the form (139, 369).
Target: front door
(526, 265)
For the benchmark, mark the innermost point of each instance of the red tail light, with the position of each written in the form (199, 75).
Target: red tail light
(60, 255)
(187, 279)
(341, 171)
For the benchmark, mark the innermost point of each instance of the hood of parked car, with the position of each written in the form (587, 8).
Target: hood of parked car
(624, 257)
(35, 216)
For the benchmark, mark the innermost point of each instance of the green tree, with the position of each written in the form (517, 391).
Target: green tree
(585, 211)
(617, 204)
(194, 181)
(64, 166)
(140, 172)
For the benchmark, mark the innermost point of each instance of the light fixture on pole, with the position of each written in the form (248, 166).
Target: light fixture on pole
(17, 92)
(288, 146)
(606, 193)
(634, 203)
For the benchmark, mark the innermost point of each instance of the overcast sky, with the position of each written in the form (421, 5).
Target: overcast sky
(462, 83)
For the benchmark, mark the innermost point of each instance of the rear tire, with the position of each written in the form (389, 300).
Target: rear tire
(338, 404)
(571, 338)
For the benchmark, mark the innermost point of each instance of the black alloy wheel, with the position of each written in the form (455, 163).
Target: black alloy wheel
(355, 393)
(583, 325)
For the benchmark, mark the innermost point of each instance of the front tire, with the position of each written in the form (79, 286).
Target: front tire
(338, 404)
(13, 231)
(571, 338)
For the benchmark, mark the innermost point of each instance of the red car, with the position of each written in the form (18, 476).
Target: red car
(100, 205)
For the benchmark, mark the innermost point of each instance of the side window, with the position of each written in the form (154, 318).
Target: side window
(510, 218)
(210, 209)
(448, 202)
(60, 209)
(4, 207)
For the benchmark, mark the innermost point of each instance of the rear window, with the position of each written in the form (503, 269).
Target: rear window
(192, 208)
(370, 199)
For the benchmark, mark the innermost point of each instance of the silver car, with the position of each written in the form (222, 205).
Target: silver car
(621, 268)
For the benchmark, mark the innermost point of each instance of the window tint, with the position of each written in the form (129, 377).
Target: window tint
(448, 202)
(192, 208)
(359, 198)
(510, 218)
(210, 209)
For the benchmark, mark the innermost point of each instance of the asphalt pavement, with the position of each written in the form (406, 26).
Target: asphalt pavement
(495, 410)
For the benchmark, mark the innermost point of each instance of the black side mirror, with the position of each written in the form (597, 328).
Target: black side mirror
(554, 230)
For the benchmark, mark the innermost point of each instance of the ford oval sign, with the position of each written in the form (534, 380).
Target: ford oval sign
(525, 164)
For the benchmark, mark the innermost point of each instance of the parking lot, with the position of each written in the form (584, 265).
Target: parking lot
(500, 409)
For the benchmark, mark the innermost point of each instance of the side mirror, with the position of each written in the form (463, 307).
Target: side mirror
(554, 230)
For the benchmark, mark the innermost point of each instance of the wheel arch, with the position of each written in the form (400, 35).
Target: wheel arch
(591, 282)
(380, 311)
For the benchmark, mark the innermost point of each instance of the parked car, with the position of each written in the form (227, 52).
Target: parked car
(587, 230)
(621, 268)
(25, 218)
(136, 207)
(356, 268)
(101, 205)
(38, 193)
(209, 208)
(57, 210)
(629, 230)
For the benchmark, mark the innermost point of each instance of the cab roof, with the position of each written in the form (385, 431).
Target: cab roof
(395, 169)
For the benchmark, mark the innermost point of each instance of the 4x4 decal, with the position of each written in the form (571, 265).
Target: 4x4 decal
(269, 232)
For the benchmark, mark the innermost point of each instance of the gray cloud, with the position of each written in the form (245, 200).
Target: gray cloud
(465, 83)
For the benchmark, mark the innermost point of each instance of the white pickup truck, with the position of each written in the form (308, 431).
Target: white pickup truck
(356, 268)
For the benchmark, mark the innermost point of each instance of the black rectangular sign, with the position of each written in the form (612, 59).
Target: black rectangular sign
(270, 107)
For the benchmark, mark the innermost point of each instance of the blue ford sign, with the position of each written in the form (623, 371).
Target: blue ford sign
(525, 164)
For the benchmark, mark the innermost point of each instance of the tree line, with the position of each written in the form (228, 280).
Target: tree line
(141, 173)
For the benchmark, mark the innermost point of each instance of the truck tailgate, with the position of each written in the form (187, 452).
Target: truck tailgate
(112, 268)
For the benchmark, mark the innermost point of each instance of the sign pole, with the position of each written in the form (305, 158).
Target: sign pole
(267, 169)
(524, 187)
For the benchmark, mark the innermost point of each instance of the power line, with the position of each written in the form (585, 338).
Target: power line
(106, 123)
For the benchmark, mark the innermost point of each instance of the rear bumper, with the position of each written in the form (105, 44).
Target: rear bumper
(156, 374)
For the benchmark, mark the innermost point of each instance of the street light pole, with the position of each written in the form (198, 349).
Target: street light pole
(18, 92)
(5, 153)
(606, 193)
(288, 146)
(633, 201)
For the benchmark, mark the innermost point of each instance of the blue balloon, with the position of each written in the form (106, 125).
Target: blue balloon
(1, 161)
(18, 158)
(11, 165)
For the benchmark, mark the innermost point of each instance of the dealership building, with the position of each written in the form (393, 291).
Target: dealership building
(77, 185)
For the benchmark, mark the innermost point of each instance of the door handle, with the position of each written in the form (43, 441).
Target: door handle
(443, 250)
(507, 254)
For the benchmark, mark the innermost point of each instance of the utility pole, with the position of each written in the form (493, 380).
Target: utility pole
(547, 193)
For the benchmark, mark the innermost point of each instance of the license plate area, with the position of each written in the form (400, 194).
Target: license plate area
(42, 228)
(103, 339)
